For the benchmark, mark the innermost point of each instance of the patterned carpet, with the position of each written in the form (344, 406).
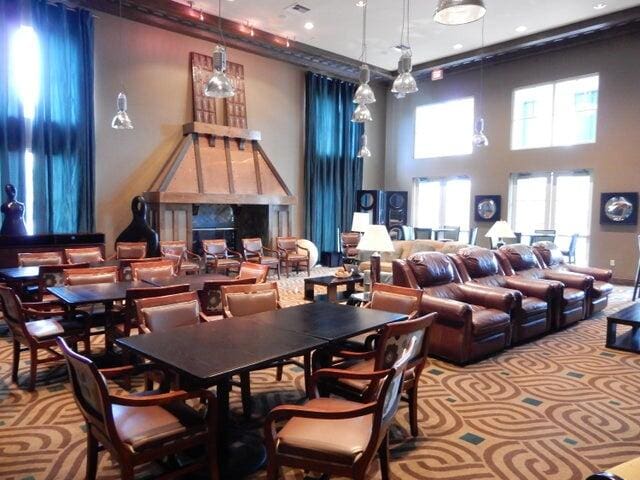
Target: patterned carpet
(555, 409)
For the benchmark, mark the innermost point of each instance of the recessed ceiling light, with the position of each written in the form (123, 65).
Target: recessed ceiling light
(599, 6)
(521, 29)
(457, 46)
(309, 25)
(361, 3)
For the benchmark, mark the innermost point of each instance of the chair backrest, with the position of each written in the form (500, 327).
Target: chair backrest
(159, 314)
(147, 270)
(448, 233)
(519, 258)
(211, 297)
(408, 233)
(217, 248)
(545, 231)
(350, 239)
(85, 276)
(35, 259)
(391, 298)
(573, 242)
(125, 266)
(288, 244)
(541, 238)
(549, 253)
(240, 300)
(136, 293)
(53, 275)
(83, 255)
(432, 269)
(173, 250)
(254, 270)
(422, 233)
(473, 236)
(13, 314)
(252, 247)
(131, 250)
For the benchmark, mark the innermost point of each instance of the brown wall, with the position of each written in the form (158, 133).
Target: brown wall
(614, 158)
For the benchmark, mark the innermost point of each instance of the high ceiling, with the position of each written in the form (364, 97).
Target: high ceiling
(337, 23)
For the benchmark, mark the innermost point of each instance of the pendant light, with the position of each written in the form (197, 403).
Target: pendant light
(404, 83)
(121, 120)
(364, 151)
(219, 85)
(479, 139)
(459, 12)
(364, 94)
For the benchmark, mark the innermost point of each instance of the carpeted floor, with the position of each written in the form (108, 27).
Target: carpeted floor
(555, 409)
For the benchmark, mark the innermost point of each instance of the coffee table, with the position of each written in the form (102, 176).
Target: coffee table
(630, 340)
(331, 283)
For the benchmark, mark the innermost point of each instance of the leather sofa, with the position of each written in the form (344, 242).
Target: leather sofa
(533, 310)
(550, 256)
(403, 249)
(472, 322)
(570, 301)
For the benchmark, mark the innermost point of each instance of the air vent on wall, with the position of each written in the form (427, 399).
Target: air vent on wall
(296, 8)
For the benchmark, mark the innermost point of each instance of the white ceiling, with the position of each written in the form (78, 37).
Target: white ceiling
(337, 23)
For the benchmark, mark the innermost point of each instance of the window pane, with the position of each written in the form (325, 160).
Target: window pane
(532, 117)
(576, 108)
(457, 203)
(530, 204)
(444, 129)
(428, 206)
(573, 192)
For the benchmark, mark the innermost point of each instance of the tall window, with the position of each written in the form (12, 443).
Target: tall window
(555, 114)
(25, 71)
(560, 201)
(444, 129)
(442, 201)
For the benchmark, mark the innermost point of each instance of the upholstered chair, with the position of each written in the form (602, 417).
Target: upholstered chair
(375, 360)
(550, 256)
(125, 274)
(292, 255)
(141, 428)
(130, 250)
(34, 327)
(533, 311)
(53, 276)
(160, 314)
(36, 259)
(219, 257)
(185, 260)
(254, 270)
(147, 270)
(472, 322)
(340, 437)
(84, 255)
(211, 297)
(349, 242)
(521, 260)
(86, 276)
(254, 251)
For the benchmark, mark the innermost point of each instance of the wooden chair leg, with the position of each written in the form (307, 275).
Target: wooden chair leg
(16, 361)
(33, 368)
(245, 390)
(383, 453)
(92, 455)
(273, 470)
(126, 471)
(278, 268)
(279, 371)
(413, 411)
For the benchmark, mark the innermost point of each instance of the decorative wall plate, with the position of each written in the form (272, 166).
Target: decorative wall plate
(619, 208)
(487, 208)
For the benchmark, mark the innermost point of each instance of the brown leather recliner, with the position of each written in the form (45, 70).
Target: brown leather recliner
(551, 257)
(570, 301)
(472, 322)
(532, 313)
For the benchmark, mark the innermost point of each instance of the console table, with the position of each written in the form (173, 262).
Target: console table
(11, 245)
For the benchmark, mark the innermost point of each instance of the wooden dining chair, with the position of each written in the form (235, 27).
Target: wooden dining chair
(422, 233)
(53, 276)
(254, 270)
(130, 251)
(211, 297)
(292, 255)
(185, 260)
(141, 428)
(35, 259)
(92, 275)
(146, 270)
(84, 255)
(34, 326)
(340, 437)
(254, 251)
(219, 257)
(159, 314)
(124, 272)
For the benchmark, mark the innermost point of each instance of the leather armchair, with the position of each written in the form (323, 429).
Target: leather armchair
(185, 260)
(349, 243)
(219, 257)
(84, 255)
(254, 251)
(292, 254)
(550, 256)
(570, 299)
(253, 270)
(533, 311)
(28, 259)
(472, 322)
(146, 270)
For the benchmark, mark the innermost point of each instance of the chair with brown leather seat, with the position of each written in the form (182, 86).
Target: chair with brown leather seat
(53, 276)
(473, 322)
(341, 437)
(211, 297)
(141, 428)
(533, 311)
(550, 256)
(374, 360)
(254, 251)
(292, 255)
(254, 270)
(125, 274)
(159, 314)
(219, 257)
(35, 259)
(570, 303)
(84, 255)
(185, 260)
(349, 245)
(130, 250)
(146, 270)
(35, 326)
(87, 276)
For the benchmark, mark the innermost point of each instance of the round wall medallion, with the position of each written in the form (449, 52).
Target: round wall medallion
(487, 208)
(618, 209)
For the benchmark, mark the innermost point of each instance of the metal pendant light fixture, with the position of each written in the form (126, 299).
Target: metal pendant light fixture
(404, 83)
(459, 12)
(479, 138)
(121, 120)
(364, 94)
(364, 151)
(219, 85)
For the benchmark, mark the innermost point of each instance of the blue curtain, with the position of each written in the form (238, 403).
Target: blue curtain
(63, 130)
(12, 128)
(333, 174)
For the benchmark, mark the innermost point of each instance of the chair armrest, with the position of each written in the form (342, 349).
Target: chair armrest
(517, 294)
(402, 275)
(571, 280)
(544, 289)
(272, 251)
(252, 252)
(337, 373)
(42, 306)
(137, 369)
(162, 398)
(193, 255)
(303, 248)
(354, 355)
(446, 308)
(233, 252)
(488, 297)
(601, 274)
(285, 412)
(34, 312)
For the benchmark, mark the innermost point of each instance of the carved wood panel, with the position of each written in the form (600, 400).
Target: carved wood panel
(204, 108)
(236, 106)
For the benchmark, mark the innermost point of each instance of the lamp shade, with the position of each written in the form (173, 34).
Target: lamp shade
(360, 222)
(376, 239)
(459, 12)
(500, 229)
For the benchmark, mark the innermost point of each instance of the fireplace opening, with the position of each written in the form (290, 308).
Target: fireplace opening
(231, 222)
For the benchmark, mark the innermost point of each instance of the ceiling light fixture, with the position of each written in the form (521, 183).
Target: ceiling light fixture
(521, 28)
(364, 151)
(457, 46)
(309, 26)
(479, 139)
(459, 12)
(599, 6)
(361, 3)
(219, 85)
(404, 83)
(121, 120)
(363, 95)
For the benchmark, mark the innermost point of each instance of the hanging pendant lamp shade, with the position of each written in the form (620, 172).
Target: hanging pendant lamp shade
(479, 139)
(459, 12)
(219, 85)
(364, 93)
(361, 114)
(364, 151)
(121, 121)
(404, 82)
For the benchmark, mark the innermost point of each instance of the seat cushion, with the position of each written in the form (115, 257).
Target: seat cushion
(297, 257)
(572, 295)
(339, 441)
(533, 305)
(488, 320)
(601, 289)
(365, 366)
(52, 327)
(269, 260)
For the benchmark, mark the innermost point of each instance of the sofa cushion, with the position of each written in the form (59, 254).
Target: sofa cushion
(488, 320)
(431, 268)
(550, 253)
(521, 257)
(533, 305)
(601, 289)
(573, 295)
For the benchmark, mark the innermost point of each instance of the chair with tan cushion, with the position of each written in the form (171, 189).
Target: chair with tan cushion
(211, 297)
(349, 242)
(219, 257)
(159, 314)
(254, 270)
(293, 255)
(35, 259)
(87, 276)
(53, 276)
(254, 251)
(130, 250)
(35, 327)
(184, 259)
(148, 270)
(84, 255)
(141, 428)
(125, 274)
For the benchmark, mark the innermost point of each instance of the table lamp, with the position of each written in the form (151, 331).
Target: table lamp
(376, 239)
(360, 222)
(498, 231)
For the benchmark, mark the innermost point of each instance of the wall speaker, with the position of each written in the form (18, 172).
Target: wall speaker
(371, 202)
(397, 209)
